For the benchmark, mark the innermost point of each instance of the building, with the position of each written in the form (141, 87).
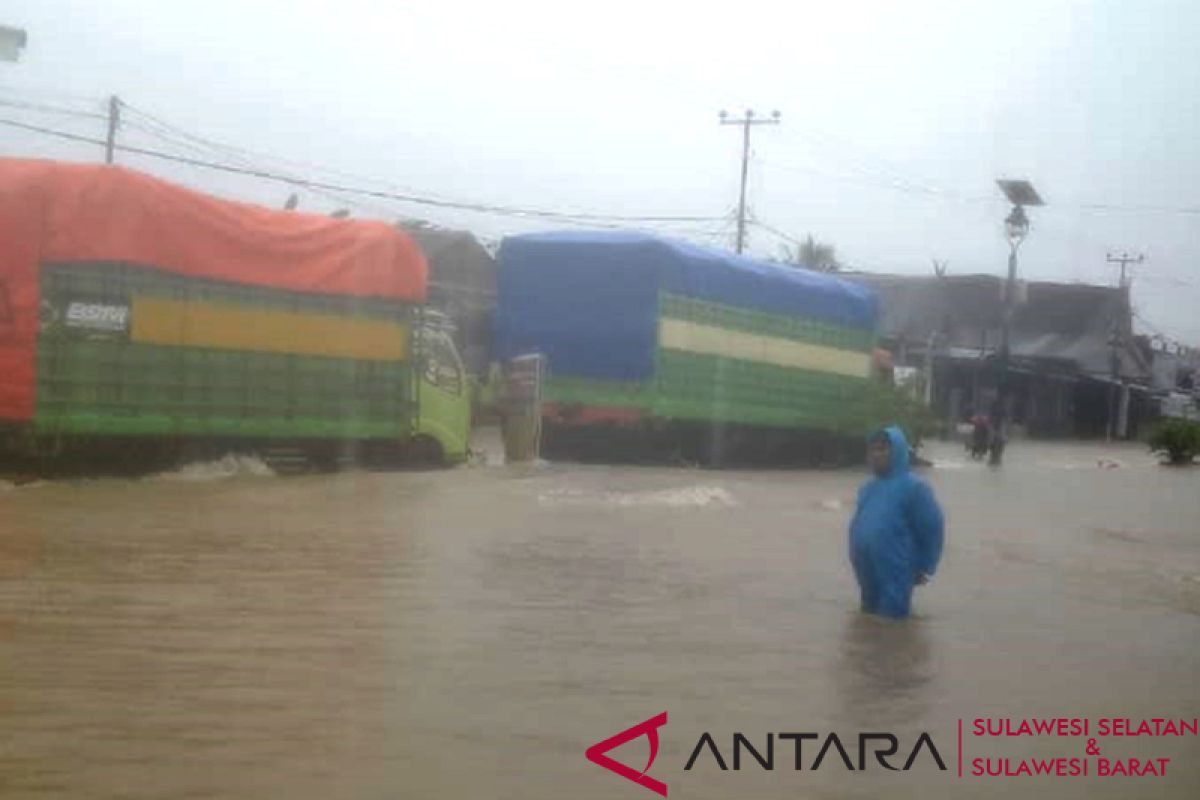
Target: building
(462, 284)
(1176, 376)
(1075, 369)
(1176, 368)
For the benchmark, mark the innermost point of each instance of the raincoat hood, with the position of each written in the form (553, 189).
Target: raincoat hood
(899, 463)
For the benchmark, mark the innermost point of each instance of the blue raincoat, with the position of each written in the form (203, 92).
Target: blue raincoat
(896, 534)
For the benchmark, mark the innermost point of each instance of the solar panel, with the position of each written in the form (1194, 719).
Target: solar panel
(1020, 193)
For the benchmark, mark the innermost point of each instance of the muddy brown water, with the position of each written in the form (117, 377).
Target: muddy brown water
(469, 633)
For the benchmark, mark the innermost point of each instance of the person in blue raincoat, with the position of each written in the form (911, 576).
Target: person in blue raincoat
(897, 530)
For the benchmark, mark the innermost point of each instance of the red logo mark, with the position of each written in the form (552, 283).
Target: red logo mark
(649, 729)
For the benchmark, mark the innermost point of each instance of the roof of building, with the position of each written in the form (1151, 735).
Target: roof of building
(1067, 325)
(459, 265)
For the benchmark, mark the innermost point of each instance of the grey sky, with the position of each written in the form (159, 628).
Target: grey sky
(897, 117)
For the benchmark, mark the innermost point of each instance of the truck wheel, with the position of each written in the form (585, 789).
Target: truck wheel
(426, 451)
(323, 459)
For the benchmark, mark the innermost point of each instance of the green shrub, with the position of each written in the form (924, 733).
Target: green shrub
(885, 405)
(1179, 439)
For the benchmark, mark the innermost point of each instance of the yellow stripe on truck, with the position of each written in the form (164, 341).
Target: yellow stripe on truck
(231, 326)
(691, 337)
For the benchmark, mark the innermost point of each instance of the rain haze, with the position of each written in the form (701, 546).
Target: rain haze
(307, 508)
(896, 117)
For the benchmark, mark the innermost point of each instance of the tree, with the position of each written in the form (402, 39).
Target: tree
(1178, 439)
(814, 255)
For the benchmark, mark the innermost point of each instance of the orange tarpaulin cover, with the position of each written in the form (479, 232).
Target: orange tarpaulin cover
(58, 212)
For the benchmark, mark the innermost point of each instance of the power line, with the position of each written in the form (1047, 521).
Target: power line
(1157, 332)
(935, 193)
(887, 184)
(1135, 209)
(192, 141)
(136, 125)
(49, 109)
(1153, 329)
(164, 131)
(1167, 280)
(873, 166)
(769, 229)
(485, 208)
(59, 97)
(158, 129)
(169, 132)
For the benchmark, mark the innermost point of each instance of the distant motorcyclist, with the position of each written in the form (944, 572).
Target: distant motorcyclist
(981, 436)
(997, 440)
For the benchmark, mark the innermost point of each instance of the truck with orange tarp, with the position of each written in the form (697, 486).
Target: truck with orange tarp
(139, 318)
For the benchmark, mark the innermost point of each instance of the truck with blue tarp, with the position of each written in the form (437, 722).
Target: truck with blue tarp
(667, 347)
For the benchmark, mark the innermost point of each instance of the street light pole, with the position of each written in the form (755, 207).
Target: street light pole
(745, 122)
(1017, 225)
(1016, 228)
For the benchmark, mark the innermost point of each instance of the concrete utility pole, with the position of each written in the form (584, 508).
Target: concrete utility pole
(114, 119)
(1125, 259)
(746, 121)
(1114, 390)
(1116, 393)
(937, 333)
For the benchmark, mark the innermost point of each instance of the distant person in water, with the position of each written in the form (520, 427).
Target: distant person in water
(981, 436)
(897, 531)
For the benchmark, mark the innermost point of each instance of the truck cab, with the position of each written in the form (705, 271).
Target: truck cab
(442, 422)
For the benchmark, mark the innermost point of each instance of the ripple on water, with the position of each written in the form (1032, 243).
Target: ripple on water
(682, 497)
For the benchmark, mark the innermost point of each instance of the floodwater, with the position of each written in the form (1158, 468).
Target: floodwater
(469, 633)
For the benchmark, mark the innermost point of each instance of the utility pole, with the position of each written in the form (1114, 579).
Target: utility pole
(1124, 259)
(1116, 341)
(746, 122)
(1114, 389)
(936, 333)
(114, 119)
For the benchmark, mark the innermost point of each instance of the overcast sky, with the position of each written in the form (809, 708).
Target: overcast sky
(896, 117)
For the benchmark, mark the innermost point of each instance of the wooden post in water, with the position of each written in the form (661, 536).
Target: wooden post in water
(521, 426)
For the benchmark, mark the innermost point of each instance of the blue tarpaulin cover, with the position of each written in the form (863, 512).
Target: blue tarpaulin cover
(589, 300)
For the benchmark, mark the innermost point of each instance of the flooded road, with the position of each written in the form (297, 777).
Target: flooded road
(469, 633)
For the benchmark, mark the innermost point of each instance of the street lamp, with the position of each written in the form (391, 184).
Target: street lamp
(1016, 228)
